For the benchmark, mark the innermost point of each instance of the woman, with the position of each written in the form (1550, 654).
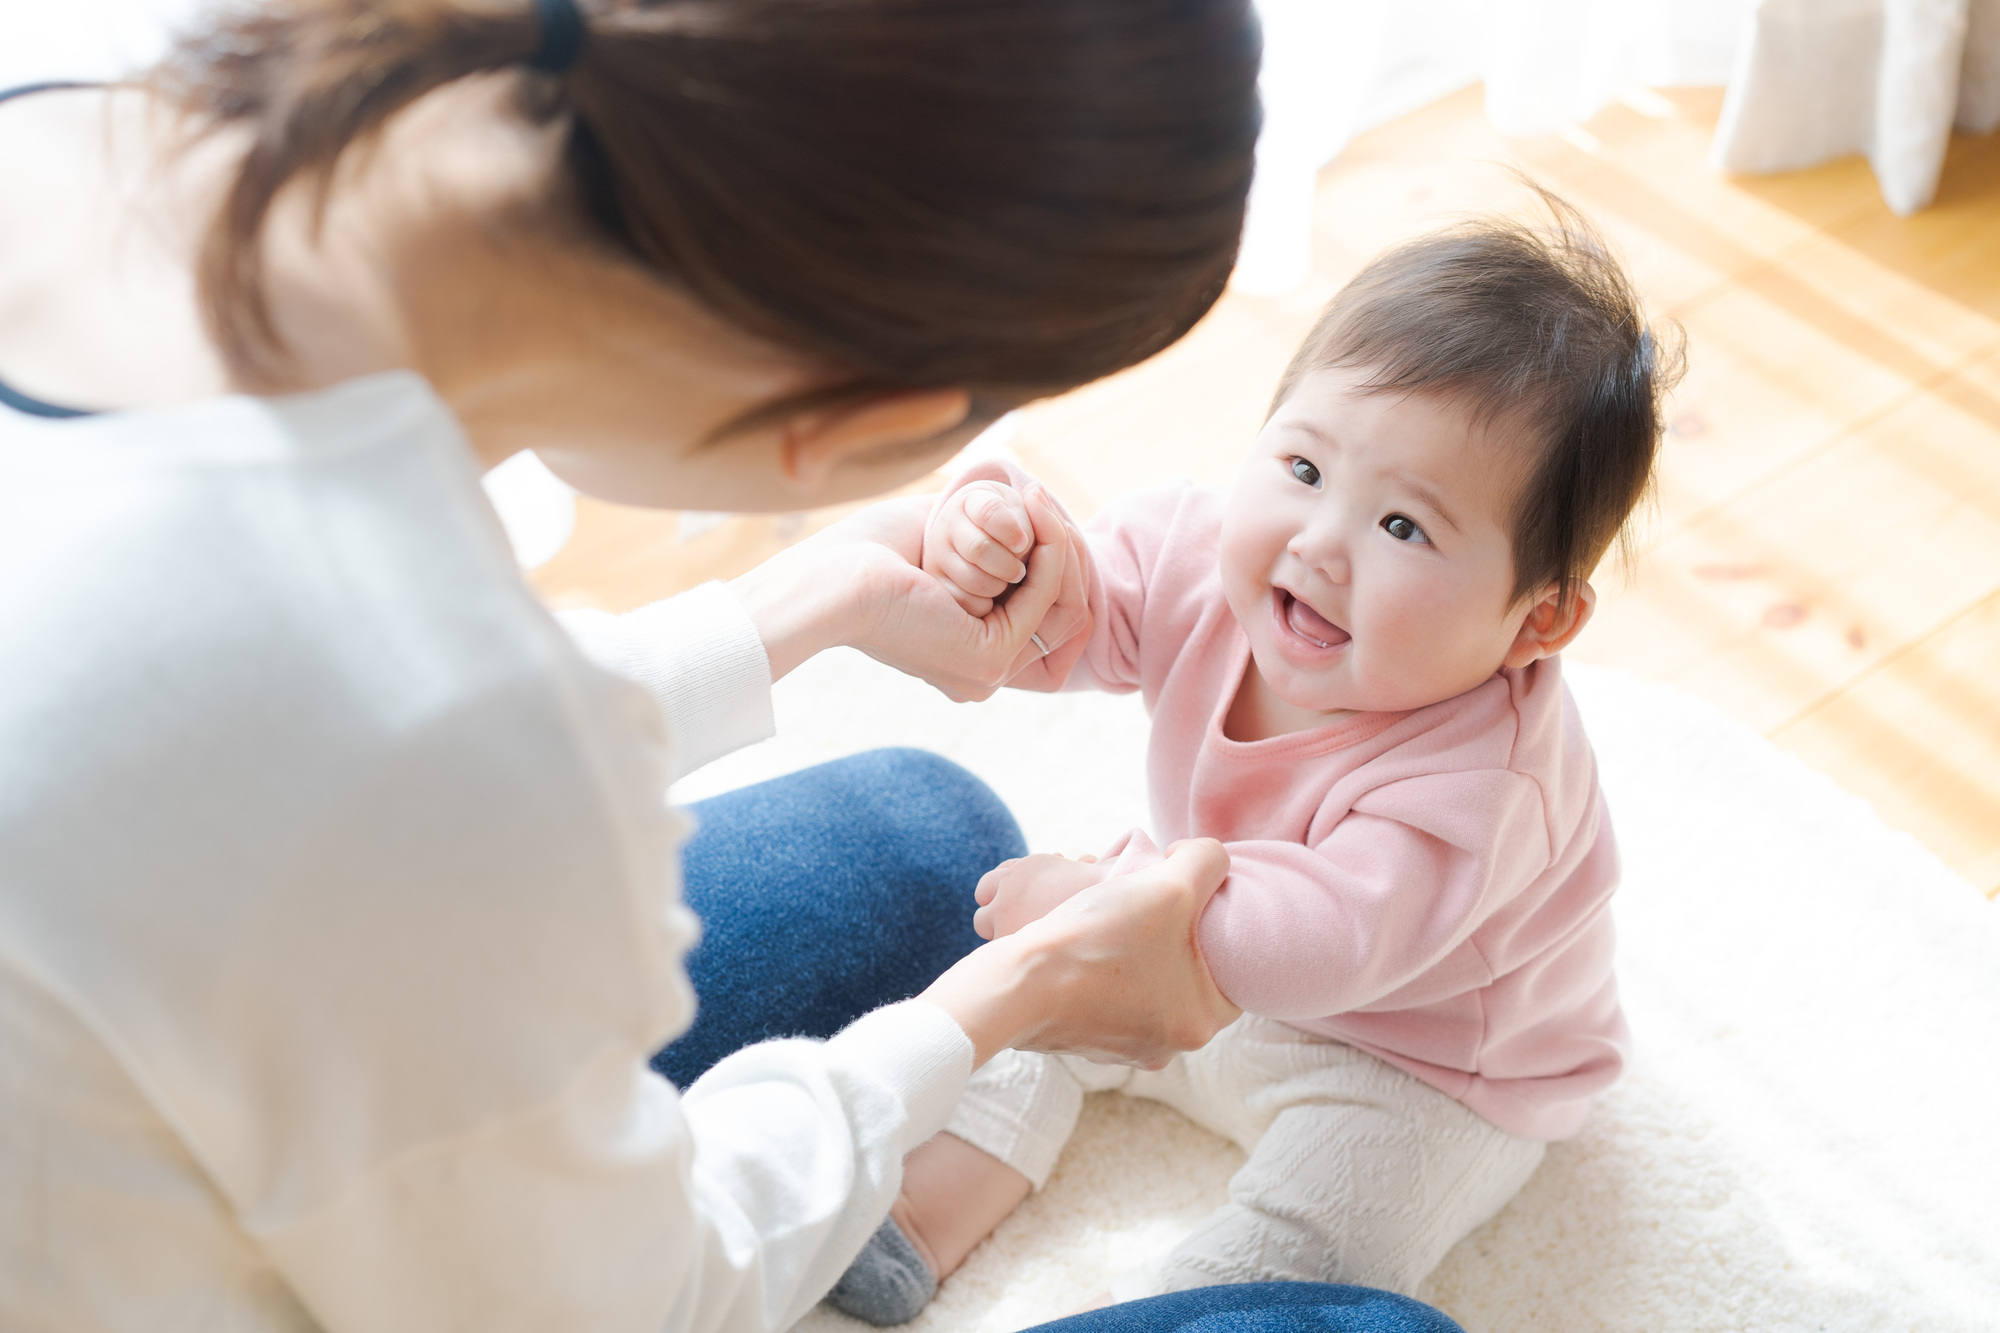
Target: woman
(340, 910)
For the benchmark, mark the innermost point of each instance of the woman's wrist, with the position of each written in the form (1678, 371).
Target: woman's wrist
(993, 995)
(799, 605)
(1115, 973)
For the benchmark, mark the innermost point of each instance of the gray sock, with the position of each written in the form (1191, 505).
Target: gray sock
(888, 1282)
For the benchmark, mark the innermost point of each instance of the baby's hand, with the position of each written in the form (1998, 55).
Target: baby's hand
(975, 543)
(1016, 892)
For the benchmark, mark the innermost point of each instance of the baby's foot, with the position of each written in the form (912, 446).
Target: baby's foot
(888, 1282)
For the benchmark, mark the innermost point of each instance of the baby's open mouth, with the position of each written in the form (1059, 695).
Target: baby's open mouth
(1309, 624)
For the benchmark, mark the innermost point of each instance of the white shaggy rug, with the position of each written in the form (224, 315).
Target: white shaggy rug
(1808, 1139)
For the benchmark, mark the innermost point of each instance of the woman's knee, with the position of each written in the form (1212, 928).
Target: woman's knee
(888, 842)
(937, 813)
(903, 803)
(830, 891)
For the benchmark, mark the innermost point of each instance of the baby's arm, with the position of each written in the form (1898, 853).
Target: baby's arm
(1396, 885)
(1305, 932)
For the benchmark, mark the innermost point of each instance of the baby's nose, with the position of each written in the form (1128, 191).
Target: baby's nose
(1323, 551)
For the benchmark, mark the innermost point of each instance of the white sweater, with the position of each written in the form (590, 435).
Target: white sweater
(339, 912)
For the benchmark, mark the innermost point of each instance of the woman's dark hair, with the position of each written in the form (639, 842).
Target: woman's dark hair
(1537, 329)
(1017, 196)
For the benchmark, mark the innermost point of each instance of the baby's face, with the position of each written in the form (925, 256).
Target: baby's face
(1366, 550)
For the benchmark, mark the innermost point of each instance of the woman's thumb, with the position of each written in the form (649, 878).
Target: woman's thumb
(1203, 864)
(1021, 612)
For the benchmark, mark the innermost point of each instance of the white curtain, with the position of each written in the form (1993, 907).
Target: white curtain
(1809, 80)
(43, 40)
(1818, 79)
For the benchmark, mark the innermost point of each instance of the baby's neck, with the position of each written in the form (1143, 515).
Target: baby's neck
(1258, 714)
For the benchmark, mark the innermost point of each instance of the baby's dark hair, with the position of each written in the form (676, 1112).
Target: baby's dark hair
(1538, 329)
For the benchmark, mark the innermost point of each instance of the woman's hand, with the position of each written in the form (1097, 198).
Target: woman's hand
(861, 583)
(1115, 973)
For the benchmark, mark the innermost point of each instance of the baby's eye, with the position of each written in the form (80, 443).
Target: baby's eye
(1305, 472)
(1404, 529)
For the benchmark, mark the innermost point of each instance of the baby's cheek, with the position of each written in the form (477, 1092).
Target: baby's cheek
(1433, 644)
(1244, 562)
(1399, 646)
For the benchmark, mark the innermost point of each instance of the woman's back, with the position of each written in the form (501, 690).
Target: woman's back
(289, 760)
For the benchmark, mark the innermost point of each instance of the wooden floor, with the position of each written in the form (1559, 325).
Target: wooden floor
(1824, 562)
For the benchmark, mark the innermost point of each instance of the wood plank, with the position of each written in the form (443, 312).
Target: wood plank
(1767, 386)
(1198, 423)
(1950, 246)
(1920, 740)
(1192, 410)
(1799, 586)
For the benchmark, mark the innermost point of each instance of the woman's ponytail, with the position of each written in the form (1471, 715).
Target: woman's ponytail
(309, 79)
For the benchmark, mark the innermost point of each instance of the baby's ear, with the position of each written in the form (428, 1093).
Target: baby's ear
(1550, 625)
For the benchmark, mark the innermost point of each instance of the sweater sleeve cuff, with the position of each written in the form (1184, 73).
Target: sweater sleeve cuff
(699, 656)
(917, 1050)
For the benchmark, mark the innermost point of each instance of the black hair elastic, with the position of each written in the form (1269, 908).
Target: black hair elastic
(562, 36)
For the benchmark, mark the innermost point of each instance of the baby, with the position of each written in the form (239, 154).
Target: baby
(1350, 660)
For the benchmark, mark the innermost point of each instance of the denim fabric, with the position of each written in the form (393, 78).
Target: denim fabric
(829, 892)
(1263, 1307)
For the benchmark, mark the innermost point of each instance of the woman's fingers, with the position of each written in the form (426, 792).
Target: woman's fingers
(1023, 611)
(1063, 632)
(1115, 972)
(1206, 864)
(1145, 993)
(1070, 614)
(880, 598)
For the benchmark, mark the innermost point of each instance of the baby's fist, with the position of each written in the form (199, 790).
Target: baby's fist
(1016, 892)
(976, 543)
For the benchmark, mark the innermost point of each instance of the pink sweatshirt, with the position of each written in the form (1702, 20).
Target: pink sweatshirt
(1431, 886)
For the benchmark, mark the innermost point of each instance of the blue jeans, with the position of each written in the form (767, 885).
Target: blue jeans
(829, 892)
(1263, 1307)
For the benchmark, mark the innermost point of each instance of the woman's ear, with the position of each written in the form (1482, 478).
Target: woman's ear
(1550, 626)
(818, 441)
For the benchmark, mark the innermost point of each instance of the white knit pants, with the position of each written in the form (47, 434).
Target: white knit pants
(1358, 1172)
